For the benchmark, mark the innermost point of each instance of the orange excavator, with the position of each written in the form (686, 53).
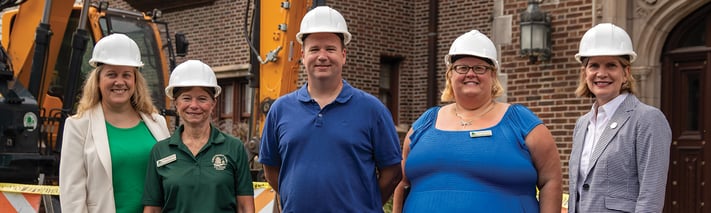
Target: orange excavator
(43, 62)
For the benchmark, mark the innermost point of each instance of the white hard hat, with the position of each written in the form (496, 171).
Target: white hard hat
(473, 43)
(323, 19)
(116, 49)
(192, 73)
(605, 40)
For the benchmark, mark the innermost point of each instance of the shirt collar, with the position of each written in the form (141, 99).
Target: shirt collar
(346, 93)
(611, 107)
(215, 137)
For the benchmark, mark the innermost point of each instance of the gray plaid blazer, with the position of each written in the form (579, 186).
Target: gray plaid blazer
(628, 167)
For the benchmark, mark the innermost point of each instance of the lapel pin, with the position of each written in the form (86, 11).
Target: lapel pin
(613, 125)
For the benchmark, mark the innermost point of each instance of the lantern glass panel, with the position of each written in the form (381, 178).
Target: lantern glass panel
(525, 36)
(538, 36)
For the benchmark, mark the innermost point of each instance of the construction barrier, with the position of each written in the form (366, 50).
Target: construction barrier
(264, 200)
(263, 197)
(25, 198)
(19, 202)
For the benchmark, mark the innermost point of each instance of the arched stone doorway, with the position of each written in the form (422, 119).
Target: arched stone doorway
(686, 100)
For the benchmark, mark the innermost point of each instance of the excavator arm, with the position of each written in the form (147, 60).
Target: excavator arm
(276, 65)
(275, 61)
(22, 50)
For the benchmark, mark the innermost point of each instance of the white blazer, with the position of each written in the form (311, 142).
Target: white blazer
(85, 179)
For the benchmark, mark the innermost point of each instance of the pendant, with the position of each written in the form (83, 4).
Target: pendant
(465, 123)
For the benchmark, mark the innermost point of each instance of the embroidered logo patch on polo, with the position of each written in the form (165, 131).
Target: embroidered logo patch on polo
(219, 161)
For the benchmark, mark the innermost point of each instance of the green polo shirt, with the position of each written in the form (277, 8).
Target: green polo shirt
(177, 181)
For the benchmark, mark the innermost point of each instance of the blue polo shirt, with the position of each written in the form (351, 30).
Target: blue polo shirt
(328, 157)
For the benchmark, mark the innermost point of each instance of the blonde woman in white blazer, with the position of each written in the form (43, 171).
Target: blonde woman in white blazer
(105, 146)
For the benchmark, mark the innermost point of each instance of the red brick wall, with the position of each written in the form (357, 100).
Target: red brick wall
(387, 29)
(548, 88)
(215, 31)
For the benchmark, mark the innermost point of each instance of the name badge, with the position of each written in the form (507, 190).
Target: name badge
(166, 160)
(476, 134)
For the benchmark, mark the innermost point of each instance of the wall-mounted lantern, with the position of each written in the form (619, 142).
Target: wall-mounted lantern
(535, 33)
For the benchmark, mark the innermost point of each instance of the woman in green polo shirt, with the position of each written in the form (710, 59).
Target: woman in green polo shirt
(199, 168)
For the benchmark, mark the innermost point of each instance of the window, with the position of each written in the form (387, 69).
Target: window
(228, 101)
(389, 84)
(233, 107)
(234, 102)
(246, 100)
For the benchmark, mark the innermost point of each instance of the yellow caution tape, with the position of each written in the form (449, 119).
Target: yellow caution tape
(54, 190)
(261, 185)
(29, 189)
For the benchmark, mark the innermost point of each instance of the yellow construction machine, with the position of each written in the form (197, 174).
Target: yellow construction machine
(274, 62)
(46, 46)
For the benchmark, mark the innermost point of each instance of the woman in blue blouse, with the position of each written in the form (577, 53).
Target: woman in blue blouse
(476, 154)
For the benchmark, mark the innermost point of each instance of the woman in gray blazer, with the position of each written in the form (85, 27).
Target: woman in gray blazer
(106, 145)
(620, 151)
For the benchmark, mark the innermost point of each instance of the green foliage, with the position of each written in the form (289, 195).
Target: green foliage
(388, 207)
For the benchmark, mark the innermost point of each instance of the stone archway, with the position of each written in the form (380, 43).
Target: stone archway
(652, 21)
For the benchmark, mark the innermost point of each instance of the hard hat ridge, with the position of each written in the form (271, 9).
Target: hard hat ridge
(116, 49)
(473, 43)
(192, 73)
(605, 39)
(323, 19)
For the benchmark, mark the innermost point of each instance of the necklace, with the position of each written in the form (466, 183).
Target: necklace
(469, 122)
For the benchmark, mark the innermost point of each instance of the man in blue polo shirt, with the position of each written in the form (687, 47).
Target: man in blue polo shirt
(329, 147)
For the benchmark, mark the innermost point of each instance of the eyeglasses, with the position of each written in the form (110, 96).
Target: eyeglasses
(478, 69)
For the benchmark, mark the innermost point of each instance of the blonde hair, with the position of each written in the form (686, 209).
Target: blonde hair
(448, 93)
(91, 94)
(628, 86)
